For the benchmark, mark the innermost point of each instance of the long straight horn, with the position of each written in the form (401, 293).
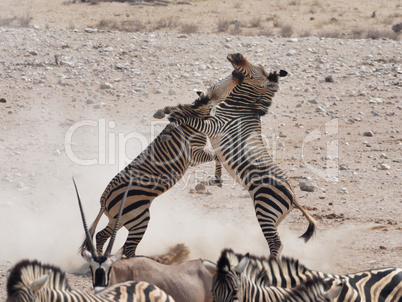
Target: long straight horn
(116, 226)
(89, 239)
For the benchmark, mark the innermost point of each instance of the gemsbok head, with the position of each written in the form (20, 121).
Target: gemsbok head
(101, 265)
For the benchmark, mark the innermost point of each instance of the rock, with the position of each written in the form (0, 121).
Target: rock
(384, 166)
(3, 100)
(329, 79)
(368, 133)
(200, 187)
(307, 186)
(106, 86)
(397, 27)
(342, 191)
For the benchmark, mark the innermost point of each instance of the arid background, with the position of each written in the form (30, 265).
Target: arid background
(79, 83)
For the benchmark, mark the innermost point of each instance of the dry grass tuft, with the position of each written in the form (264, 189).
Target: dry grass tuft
(19, 22)
(189, 29)
(223, 25)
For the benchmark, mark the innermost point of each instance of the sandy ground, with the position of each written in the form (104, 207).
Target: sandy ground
(78, 101)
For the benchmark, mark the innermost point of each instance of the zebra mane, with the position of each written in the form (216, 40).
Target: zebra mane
(27, 271)
(223, 266)
(259, 263)
(197, 109)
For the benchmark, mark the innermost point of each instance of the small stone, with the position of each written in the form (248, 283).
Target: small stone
(329, 79)
(307, 186)
(342, 191)
(106, 86)
(368, 133)
(385, 167)
(200, 187)
(3, 100)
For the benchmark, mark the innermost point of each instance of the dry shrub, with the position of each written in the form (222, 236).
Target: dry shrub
(236, 30)
(170, 22)
(306, 33)
(267, 32)
(330, 34)
(127, 26)
(189, 29)
(223, 25)
(294, 2)
(286, 31)
(255, 22)
(22, 22)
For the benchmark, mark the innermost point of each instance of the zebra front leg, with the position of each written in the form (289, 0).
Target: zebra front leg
(136, 230)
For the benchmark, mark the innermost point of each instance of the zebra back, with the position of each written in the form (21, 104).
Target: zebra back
(378, 284)
(231, 283)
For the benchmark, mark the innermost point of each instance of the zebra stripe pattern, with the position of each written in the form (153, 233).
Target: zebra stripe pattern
(379, 284)
(235, 134)
(230, 283)
(159, 167)
(32, 281)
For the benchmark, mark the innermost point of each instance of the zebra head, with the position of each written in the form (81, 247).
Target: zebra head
(28, 278)
(101, 265)
(226, 284)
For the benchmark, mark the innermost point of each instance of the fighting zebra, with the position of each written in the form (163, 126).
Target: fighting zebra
(31, 281)
(159, 167)
(230, 283)
(379, 284)
(235, 134)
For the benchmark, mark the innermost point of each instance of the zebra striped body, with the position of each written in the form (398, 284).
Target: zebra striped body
(31, 281)
(235, 134)
(379, 284)
(159, 167)
(230, 283)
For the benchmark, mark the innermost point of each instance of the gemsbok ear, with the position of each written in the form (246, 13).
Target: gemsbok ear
(210, 266)
(87, 256)
(118, 255)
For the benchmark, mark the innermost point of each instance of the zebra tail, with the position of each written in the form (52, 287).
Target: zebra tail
(85, 244)
(312, 223)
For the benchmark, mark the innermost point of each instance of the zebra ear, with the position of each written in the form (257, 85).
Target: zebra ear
(242, 264)
(333, 288)
(38, 284)
(210, 266)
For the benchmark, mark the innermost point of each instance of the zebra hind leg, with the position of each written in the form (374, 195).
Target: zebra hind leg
(271, 234)
(136, 233)
(102, 237)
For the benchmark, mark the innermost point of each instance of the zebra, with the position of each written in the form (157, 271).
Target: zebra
(230, 283)
(235, 134)
(159, 167)
(30, 280)
(378, 284)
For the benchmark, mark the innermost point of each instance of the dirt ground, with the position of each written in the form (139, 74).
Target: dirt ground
(77, 95)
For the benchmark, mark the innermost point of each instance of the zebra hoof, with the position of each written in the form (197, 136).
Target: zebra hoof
(215, 182)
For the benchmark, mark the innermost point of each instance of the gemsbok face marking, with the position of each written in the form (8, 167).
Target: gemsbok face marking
(101, 265)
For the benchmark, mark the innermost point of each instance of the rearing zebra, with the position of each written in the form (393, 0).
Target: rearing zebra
(230, 283)
(235, 134)
(379, 284)
(31, 281)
